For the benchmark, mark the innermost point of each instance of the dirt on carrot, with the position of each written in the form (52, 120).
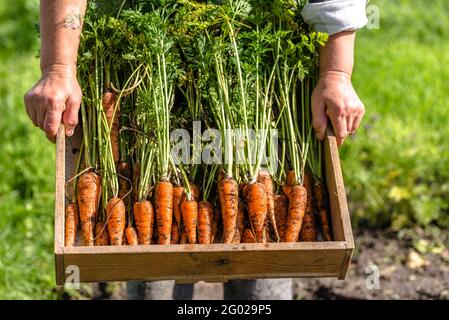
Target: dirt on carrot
(144, 219)
(321, 204)
(296, 210)
(101, 234)
(240, 223)
(205, 221)
(229, 199)
(164, 211)
(189, 211)
(116, 217)
(248, 236)
(256, 202)
(178, 192)
(71, 224)
(89, 189)
(264, 177)
(281, 212)
(131, 236)
(308, 229)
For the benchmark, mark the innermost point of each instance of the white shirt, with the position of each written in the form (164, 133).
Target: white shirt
(333, 16)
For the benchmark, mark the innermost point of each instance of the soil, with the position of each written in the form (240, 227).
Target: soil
(403, 273)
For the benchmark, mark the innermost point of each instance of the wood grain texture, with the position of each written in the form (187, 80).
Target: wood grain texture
(340, 219)
(214, 262)
(60, 204)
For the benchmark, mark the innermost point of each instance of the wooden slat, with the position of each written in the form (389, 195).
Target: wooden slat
(59, 204)
(191, 263)
(341, 223)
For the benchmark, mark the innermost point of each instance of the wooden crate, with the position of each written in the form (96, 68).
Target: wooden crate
(211, 263)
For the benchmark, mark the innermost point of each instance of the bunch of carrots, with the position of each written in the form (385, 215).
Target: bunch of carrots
(243, 67)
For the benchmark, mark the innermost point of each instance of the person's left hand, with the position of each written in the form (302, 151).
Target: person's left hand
(334, 98)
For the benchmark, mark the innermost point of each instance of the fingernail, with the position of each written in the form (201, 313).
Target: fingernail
(70, 132)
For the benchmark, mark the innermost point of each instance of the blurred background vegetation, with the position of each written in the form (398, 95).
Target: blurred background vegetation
(396, 168)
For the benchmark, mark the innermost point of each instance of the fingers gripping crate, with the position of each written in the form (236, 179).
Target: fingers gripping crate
(213, 262)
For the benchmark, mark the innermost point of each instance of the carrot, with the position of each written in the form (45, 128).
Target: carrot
(184, 237)
(256, 201)
(164, 211)
(71, 224)
(215, 224)
(264, 177)
(108, 102)
(195, 193)
(131, 236)
(205, 217)
(248, 236)
(189, 211)
(101, 234)
(229, 198)
(89, 188)
(144, 219)
(281, 212)
(308, 230)
(177, 196)
(124, 179)
(240, 224)
(267, 235)
(291, 178)
(175, 234)
(296, 210)
(321, 203)
(116, 213)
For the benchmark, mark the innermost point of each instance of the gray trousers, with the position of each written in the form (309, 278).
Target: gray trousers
(263, 289)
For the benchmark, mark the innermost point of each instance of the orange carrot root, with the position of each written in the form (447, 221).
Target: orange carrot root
(281, 212)
(177, 197)
(215, 223)
(71, 224)
(264, 177)
(256, 201)
(89, 189)
(131, 236)
(175, 234)
(189, 211)
(308, 230)
(108, 102)
(205, 220)
(101, 234)
(116, 213)
(164, 211)
(240, 224)
(296, 210)
(248, 236)
(229, 199)
(184, 237)
(321, 203)
(144, 219)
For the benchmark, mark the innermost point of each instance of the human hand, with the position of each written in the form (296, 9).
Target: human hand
(55, 98)
(334, 98)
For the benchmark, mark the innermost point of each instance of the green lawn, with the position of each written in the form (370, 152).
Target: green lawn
(396, 168)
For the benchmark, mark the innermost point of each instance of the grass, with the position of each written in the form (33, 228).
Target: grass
(395, 168)
(26, 166)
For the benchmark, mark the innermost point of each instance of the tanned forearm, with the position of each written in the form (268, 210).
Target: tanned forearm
(338, 54)
(60, 24)
(56, 97)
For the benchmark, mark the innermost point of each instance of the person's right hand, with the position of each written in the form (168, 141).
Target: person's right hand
(55, 98)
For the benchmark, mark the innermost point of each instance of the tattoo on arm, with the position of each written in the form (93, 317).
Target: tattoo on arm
(73, 22)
